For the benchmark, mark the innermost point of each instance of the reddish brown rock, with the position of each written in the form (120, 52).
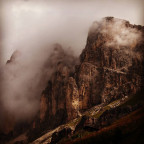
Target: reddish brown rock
(115, 48)
(111, 67)
(72, 99)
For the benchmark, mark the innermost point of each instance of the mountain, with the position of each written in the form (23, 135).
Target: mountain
(120, 121)
(83, 98)
(111, 68)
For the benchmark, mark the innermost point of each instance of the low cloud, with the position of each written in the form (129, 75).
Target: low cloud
(25, 76)
(120, 32)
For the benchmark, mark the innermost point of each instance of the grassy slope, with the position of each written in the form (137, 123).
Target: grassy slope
(127, 130)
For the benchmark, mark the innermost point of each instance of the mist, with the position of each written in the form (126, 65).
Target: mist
(23, 79)
(29, 28)
(120, 32)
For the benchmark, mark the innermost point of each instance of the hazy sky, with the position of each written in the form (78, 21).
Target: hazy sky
(31, 25)
(26, 24)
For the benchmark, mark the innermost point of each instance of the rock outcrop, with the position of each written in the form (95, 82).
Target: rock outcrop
(115, 51)
(106, 119)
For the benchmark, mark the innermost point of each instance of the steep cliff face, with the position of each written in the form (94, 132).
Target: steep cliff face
(60, 99)
(115, 50)
(111, 67)
(90, 84)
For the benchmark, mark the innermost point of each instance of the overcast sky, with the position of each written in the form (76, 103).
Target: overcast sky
(27, 23)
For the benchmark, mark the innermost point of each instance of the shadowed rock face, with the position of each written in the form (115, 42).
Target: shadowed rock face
(111, 67)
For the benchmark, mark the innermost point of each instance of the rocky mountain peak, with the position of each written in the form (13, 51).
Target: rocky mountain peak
(113, 35)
